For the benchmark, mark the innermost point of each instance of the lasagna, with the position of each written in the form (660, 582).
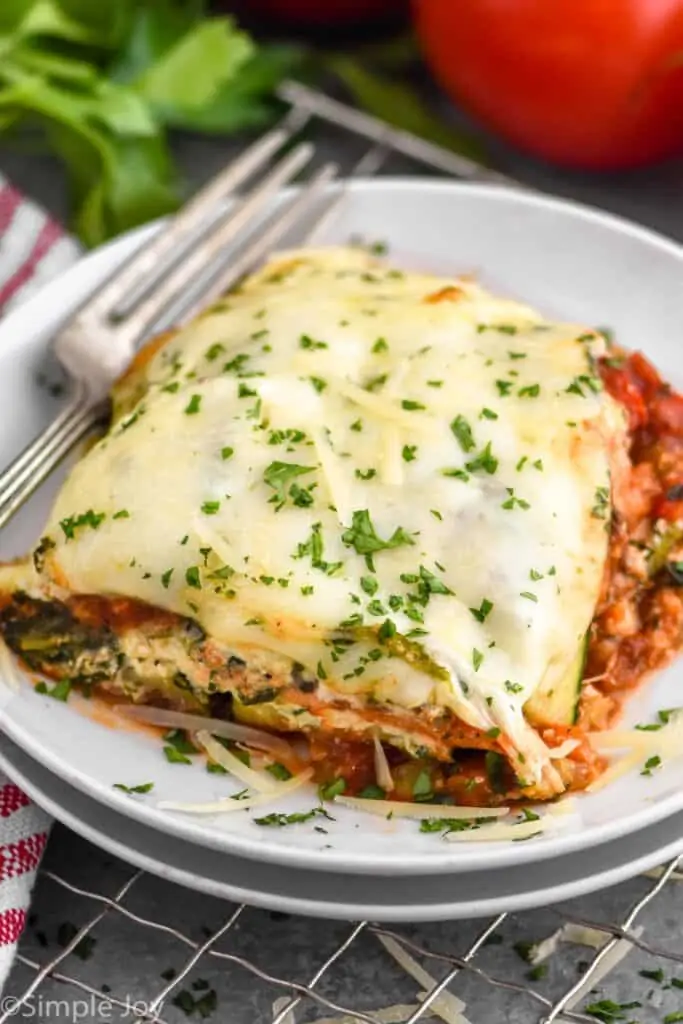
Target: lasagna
(417, 526)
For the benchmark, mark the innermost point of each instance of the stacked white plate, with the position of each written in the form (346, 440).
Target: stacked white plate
(573, 263)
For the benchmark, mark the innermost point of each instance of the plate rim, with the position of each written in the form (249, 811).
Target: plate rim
(318, 908)
(496, 855)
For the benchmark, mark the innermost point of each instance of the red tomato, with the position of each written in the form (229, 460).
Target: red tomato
(323, 12)
(587, 83)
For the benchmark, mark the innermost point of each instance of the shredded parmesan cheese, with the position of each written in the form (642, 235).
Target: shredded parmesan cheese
(386, 409)
(397, 809)
(260, 781)
(278, 1007)
(397, 1014)
(228, 804)
(564, 749)
(614, 772)
(382, 769)
(576, 934)
(498, 832)
(337, 487)
(447, 1006)
(611, 960)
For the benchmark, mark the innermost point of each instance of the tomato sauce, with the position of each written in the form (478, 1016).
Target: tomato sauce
(639, 621)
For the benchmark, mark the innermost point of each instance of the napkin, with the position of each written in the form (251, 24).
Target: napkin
(33, 249)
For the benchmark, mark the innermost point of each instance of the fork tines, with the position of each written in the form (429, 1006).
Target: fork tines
(208, 246)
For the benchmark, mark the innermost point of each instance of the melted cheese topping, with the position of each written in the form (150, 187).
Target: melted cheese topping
(332, 406)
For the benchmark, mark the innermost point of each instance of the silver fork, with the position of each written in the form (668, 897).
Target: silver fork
(202, 252)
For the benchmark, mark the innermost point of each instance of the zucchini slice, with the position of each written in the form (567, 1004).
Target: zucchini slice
(559, 704)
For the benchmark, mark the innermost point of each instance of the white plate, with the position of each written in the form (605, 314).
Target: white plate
(570, 261)
(346, 897)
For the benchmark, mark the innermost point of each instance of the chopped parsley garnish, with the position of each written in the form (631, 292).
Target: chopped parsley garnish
(192, 577)
(73, 523)
(314, 547)
(530, 391)
(533, 575)
(193, 405)
(517, 355)
(363, 537)
(244, 391)
(657, 975)
(484, 460)
(380, 346)
(278, 820)
(501, 328)
(477, 658)
(175, 756)
(607, 1011)
(172, 387)
(305, 341)
(278, 771)
(446, 825)
(513, 687)
(357, 425)
(528, 595)
(144, 787)
(375, 383)
(463, 433)
(214, 351)
(279, 475)
(488, 414)
(457, 474)
(482, 612)
(513, 501)
(60, 690)
(177, 739)
(601, 507)
(211, 508)
(651, 764)
(412, 406)
(227, 453)
(329, 790)
(409, 452)
(121, 514)
(166, 578)
(365, 474)
(369, 584)
(584, 381)
(386, 631)
(318, 383)
(236, 364)
(504, 387)
(435, 383)
(372, 792)
(538, 464)
(493, 733)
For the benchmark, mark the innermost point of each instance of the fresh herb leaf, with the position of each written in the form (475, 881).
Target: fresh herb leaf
(60, 690)
(144, 787)
(363, 537)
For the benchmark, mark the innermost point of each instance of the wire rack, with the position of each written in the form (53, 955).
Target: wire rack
(276, 969)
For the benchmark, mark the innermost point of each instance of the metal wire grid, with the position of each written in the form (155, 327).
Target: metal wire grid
(305, 996)
(308, 106)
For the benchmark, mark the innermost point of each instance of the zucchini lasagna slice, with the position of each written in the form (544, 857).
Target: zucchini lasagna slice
(365, 505)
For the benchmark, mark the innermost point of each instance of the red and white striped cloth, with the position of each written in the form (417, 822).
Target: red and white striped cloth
(33, 248)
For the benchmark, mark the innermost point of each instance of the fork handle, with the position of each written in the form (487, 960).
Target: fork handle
(27, 472)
